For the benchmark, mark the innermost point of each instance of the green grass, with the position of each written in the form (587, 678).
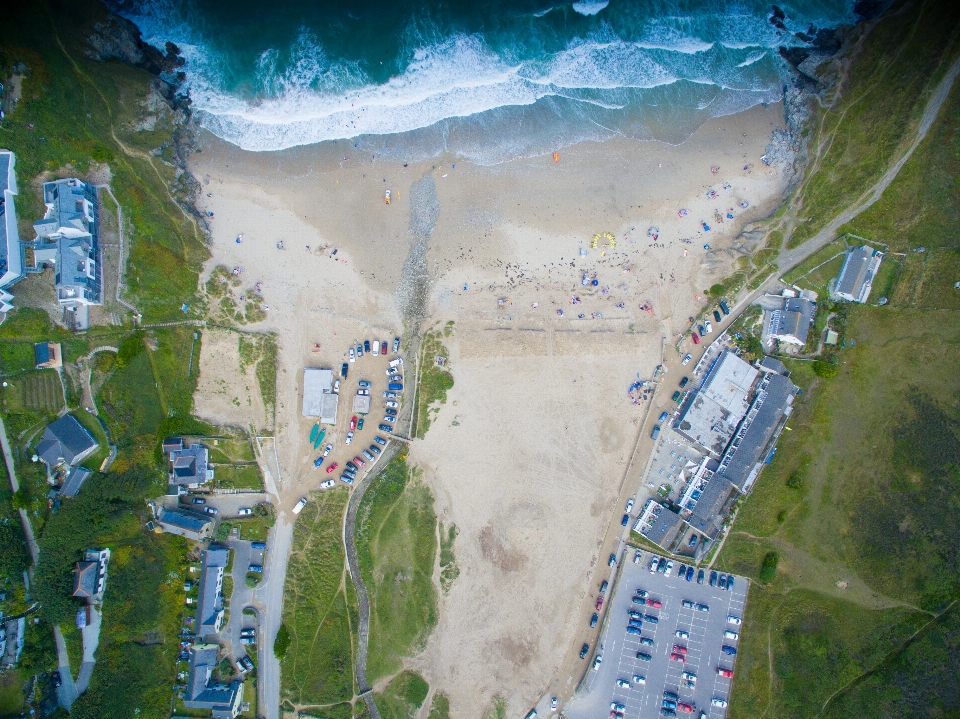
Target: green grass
(11, 693)
(883, 98)
(252, 529)
(434, 382)
(859, 491)
(75, 113)
(449, 570)
(403, 696)
(439, 707)
(318, 666)
(396, 548)
(238, 476)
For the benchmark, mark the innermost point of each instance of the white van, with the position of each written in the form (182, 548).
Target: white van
(300, 505)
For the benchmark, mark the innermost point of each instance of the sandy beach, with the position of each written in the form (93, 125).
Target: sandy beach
(528, 455)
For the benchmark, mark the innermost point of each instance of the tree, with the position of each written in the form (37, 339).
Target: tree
(282, 642)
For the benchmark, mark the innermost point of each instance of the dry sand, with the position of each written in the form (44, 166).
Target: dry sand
(529, 453)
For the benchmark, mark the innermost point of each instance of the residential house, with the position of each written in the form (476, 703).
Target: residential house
(659, 524)
(189, 467)
(90, 575)
(210, 597)
(68, 238)
(74, 480)
(65, 442)
(223, 700)
(47, 355)
(185, 524)
(11, 251)
(790, 323)
(13, 639)
(856, 277)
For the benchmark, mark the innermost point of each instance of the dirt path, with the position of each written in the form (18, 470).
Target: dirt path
(353, 564)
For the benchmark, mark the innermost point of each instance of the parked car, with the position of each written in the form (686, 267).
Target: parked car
(396, 345)
(644, 657)
(629, 505)
(383, 348)
(583, 650)
(729, 582)
(722, 583)
(351, 466)
(210, 510)
(55, 678)
(683, 707)
(327, 483)
(718, 702)
(198, 500)
(343, 370)
(713, 578)
(708, 326)
(689, 574)
(603, 586)
(676, 395)
(599, 603)
(375, 449)
(395, 387)
(246, 663)
(359, 462)
(246, 511)
(375, 348)
(391, 403)
(327, 450)
(639, 679)
(650, 619)
(646, 641)
(701, 330)
(365, 384)
(349, 438)
(701, 607)
(689, 676)
(370, 457)
(687, 604)
(677, 658)
(633, 629)
(679, 649)
(654, 563)
(248, 640)
(594, 618)
(717, 317)
(381, 441)
(724, 307)
(385, 428)
(733, 620)
(655, 603)
(331, 468)
(681, 634)
(623, 683)
(390, 412)
(686, 360)
(672, 696)
(389, 418)
(700, 575)
(625, 521)
(258, 545)
(683, 382)
(693, 541)
(336, 386)
(656, 432)
(353, 358)
(728, 650)
(353, 422)
(303, 500)
(728, 673)
(612, 560)
(318, 461)
(637, 556)
(669, 567)
(359, 351)
(257, 568)
(695, 338)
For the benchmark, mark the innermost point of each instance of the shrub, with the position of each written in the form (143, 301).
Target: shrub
(768, 570)
(825, 369)
(282, 642)
(795, 481)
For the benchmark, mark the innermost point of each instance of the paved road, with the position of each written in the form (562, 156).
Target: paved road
(67, 691)
(243, 556)
(15, 486)
(268, 598)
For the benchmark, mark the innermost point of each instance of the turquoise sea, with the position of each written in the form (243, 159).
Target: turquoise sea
(485, 80)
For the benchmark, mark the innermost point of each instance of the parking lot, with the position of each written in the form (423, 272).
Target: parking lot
(705, 630)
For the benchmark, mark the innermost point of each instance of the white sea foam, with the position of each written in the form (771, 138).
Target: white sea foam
(585, 7)
(303, 96)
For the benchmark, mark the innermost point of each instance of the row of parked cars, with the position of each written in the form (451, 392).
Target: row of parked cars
(705, 328)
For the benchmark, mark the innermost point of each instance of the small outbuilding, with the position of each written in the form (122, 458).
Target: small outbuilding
(47, 355)
(319, 399)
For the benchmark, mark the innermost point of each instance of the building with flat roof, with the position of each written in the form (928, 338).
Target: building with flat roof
(68, 238)
(856, 277)
(65, 442)
(319, 399)
(710, 414)
(659, 524)
(223, 700)
(11, 251)
(185, 524)
(210, 598)
(361, 404)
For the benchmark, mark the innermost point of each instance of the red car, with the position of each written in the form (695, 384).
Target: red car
(331, 468)
(655, 603)
(724, 672)
(599, 603)
(695, 337)
(357, 461)
(679, 649)
(353, 423)
(678, 658)
(688, 708)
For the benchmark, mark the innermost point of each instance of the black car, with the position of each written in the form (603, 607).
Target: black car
(55, 677)
(390, 412)
(385, 428)
(352, 466)
(381, 441)
(713, 579)
(723, 306)
(593, 621)
(583, 650)
(683, 382)
(343, 370)
(671, 695)
(716, 316)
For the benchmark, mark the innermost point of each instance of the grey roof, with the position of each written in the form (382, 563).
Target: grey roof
(316, 383)
(85, 575)
(65, 441)
(75, 479)
(222, 699)
(210, 598)
(793, 320)
(754, 440)
(189, 466)
(772, 364)
(11, 253)
(707, 515)
(663, 529)
(72, 223)
(728, 382)
(171, 444)
(187, 522)
(856, 269)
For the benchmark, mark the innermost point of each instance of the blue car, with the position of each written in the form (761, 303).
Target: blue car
(343, 370)
(318, 461)
(730, 583)
(381, 441)
(625, 521)
(364, 383)
(258, 568)
(385, 428)
(689, 574)
(693, 541)
(258, 545)
(633, 630)
(728, 650)
(395, 387)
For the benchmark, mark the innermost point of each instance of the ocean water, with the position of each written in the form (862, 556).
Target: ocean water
(484, 80)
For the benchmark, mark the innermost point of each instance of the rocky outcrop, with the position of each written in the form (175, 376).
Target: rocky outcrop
(116, 38)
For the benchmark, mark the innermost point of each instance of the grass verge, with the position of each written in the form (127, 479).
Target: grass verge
(434, 381)
(403, 696)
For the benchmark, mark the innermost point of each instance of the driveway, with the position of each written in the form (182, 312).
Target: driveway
(243, 556)
(268, 598)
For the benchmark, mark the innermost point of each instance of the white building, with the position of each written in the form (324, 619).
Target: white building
(856, 278)
(319, 399)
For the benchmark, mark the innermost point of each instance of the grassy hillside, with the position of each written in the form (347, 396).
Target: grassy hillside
(854, 613)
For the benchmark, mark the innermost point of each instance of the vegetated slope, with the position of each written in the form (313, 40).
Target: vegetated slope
(318, 612)
(882, 100)
(397, 549)
(859, 503)
(77, 115)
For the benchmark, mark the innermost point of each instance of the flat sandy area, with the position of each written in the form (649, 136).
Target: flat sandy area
(528, 455)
